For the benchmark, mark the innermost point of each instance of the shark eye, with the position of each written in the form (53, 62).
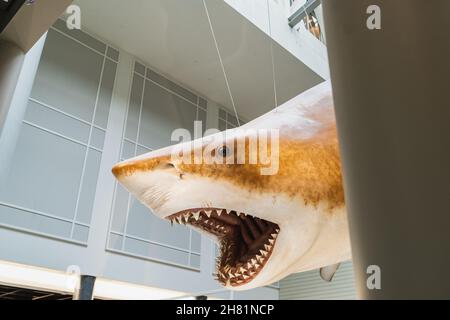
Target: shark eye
(223, 151)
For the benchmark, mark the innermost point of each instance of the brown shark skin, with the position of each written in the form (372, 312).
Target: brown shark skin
(309, 169)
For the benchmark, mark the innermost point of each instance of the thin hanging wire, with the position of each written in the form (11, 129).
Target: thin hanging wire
(221, 62)
(272, 57)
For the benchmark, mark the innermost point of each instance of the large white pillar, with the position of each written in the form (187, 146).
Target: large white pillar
(17, 74)
(390, 72)
(11, 61)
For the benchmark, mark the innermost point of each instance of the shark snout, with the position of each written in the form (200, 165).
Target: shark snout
(148, 162)
(133, 167)
(151, 178)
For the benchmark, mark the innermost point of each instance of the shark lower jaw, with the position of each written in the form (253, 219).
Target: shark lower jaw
(246, 242)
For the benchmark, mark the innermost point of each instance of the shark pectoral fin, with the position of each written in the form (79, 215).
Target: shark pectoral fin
(327, 273)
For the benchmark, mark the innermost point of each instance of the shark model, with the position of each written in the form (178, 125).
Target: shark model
(268, 225)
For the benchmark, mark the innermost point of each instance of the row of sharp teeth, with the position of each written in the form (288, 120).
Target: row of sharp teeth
(184, 218)
(242, 273)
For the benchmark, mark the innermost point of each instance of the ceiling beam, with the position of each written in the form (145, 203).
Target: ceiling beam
(8, 9)
(31, 21)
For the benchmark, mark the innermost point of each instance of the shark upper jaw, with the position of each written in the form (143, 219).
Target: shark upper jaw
(246, 242)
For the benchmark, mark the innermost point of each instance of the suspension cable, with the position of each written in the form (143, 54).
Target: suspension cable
(221, 62)
(272, 56)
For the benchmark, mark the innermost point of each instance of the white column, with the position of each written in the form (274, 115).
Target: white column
(11, 61)
(17, 74)
(390, 88)
(98, 234)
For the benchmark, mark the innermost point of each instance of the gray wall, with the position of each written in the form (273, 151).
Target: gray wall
(91, 106)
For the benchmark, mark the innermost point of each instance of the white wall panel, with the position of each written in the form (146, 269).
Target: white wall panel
(40, 175)
(75, 94)
(57, 157)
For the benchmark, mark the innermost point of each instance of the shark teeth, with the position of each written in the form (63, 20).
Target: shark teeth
(196, 215)
(199, 214)
(236, 265)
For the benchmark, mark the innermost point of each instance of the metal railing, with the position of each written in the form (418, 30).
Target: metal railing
(306, 14)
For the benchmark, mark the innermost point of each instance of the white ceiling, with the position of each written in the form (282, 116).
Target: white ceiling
(174, 38)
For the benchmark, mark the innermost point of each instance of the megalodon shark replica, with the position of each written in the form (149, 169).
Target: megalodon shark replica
(271, 218)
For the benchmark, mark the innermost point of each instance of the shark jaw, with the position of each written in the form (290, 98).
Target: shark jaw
(305, 237)
(246, 242)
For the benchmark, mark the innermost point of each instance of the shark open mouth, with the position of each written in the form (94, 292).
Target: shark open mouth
(246, 242)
